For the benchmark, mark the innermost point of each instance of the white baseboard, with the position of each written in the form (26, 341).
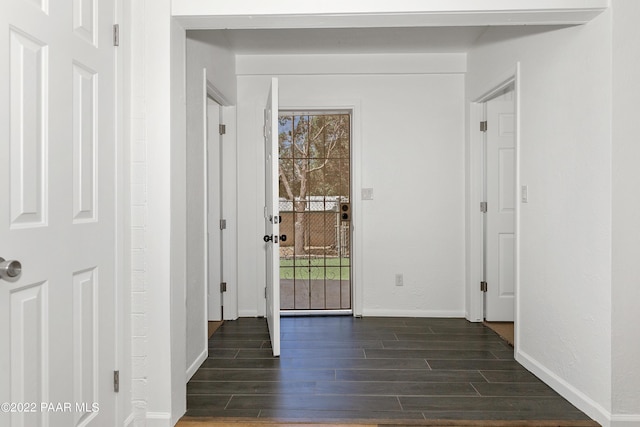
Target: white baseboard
(566, 390)
(197, 363)
(158, 419)
(383, 312)
(632, 420)
(247, 313)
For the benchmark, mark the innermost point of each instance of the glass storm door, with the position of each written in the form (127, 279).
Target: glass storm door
(315, 196)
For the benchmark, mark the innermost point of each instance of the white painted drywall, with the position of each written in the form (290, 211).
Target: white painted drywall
(626, 207)
(214, 54)
(156, 72)
(564, 316)
(412, 137)
(178, 238)
(195, 191)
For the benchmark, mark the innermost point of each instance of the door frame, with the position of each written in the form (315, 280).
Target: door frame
(354, 108)
(227, 198)
(209, 222)
(476, 193)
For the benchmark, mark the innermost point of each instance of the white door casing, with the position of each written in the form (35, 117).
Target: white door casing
(271, 220)
(500, 217)
(57, 163)
(214, 209)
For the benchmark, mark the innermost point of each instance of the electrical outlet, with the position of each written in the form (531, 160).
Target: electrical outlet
(399, 280)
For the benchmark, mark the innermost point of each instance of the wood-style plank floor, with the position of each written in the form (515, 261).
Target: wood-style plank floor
(371, 371)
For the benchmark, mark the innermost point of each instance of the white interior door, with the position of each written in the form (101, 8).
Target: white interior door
(500, 217)
(57, 166)
(271, 220)
(214, 210)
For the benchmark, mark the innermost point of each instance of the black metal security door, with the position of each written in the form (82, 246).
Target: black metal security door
(315, 195)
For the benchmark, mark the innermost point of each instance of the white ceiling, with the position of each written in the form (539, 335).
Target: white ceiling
(345, 40)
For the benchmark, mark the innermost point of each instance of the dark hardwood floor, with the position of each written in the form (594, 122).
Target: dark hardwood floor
(336, 369)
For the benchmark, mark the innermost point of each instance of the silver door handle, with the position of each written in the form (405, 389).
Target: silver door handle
(9, 269)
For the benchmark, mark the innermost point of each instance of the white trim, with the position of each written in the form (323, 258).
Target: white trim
(122, 292)
(230, 212)
(201, 14)
(191, 370)
(383, 312)
(251, 313)
(158, 419)
(625, 420)
(411, 7)
(474, 221)
(518, 211)
(357, 243)
(214, 93)
(583, 402)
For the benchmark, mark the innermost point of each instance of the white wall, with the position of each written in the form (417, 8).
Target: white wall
(564, 315)
(139, 215)
(178, 238)
(410, 130)
(219, 63)
(213, 53)
(155, 214)
(626, 205)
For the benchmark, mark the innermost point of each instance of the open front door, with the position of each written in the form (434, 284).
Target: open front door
(272, 216)
(501, 200)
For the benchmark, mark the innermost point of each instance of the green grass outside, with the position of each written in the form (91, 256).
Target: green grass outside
(315, 268)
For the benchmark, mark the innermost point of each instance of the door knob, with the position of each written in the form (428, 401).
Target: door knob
(267, 238)
(283, 238)
(9, 269)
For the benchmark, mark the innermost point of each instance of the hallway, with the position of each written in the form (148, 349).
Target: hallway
(343, 369)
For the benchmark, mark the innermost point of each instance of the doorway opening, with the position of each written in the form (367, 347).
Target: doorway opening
(315, 210)
(500, 206)
(499, 211)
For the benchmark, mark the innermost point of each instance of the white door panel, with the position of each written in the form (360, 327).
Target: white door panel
(272, 212)
(57, 161)
(500, 229)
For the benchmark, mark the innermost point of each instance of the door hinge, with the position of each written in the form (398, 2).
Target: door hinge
(222, 129)
(265, 292)
(483, 126)
(223, 224)
(483, 286)
(223, 287)
(484, 207)
(116, 34)
(116, 381)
